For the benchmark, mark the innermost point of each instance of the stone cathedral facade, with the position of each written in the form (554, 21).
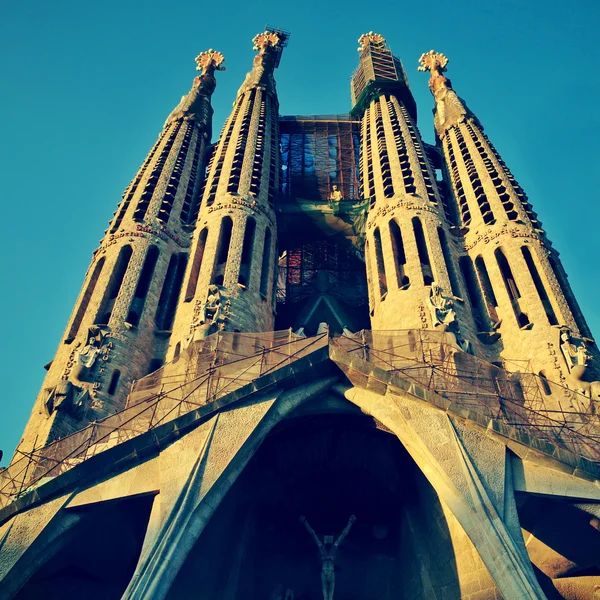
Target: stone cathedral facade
(316, 358)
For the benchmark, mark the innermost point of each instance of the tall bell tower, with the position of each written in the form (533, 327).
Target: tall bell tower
(521, 298)
(230, 281)
(409, 252)
(119, 328)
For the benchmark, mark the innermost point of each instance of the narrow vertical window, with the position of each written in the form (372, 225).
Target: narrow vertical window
(165, 313)
(141, 290)
(423, 252)
(545, 385)
(222, 254)
(196, 265)
(369, 276)
(85, 301)
(412, 340)
(266, 262)
(402, 281)
(474, 293)
(114, 382)
(247, 247)
(449, 262)
(114, 286)
(511, 287)
(379, 263)
(488, 291)
(539, 286)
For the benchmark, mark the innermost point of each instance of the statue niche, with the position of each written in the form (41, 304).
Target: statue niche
(212, 314)
(96, 344)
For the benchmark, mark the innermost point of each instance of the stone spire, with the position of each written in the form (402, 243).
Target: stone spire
(230, 281)
(408, 250)
(195, 106)
(118, 331)
(450, 109)
(513, 277)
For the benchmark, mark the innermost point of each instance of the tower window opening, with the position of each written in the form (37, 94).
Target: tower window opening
(240, 149)
(196, 265)
(379, 262)
(170, 193)
(418, 148)
(105, 310)
(368, 153)
(220, 264)
(259, 151)
(189, 207)
(114, 382)
(463, 204)
(167, 303)
(539, 286)
(384, 161)
(402, 280)
(213, 176)
(155, 364)
(412, 341)
(155, 174)
(488, 291)
(545, 385)
(369, 275)
(407, 173)
(474, 293)
(423, 252)
(449, 262)
(476, 185)
(141, 290)
(265, 268)
(133, 186)
(561, 276)
(85, 301)
(247, 248)
(511, 288)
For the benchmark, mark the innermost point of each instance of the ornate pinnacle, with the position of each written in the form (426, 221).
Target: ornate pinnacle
(373, 38)
(210, 61)
(264, 40)
(433, 61)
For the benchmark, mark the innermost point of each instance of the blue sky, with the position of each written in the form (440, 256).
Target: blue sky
(87, 86)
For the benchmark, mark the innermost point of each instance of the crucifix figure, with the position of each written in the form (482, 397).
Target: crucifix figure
(327, 552)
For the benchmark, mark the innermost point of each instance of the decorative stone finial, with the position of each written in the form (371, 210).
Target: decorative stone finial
(373, 38)
(433, 61)
(210, 61)
(264, 40)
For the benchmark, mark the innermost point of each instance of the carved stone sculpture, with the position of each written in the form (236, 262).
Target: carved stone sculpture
(94, 344)
(575, 353)
(68, 398)
(441, 308)
(327, 553)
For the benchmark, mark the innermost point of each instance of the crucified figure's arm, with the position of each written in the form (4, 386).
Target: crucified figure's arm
(346, 531)
(311, 531)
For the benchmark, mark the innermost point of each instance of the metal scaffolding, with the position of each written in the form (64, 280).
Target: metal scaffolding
(424, 360)
(517, 399)
(206, 371)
